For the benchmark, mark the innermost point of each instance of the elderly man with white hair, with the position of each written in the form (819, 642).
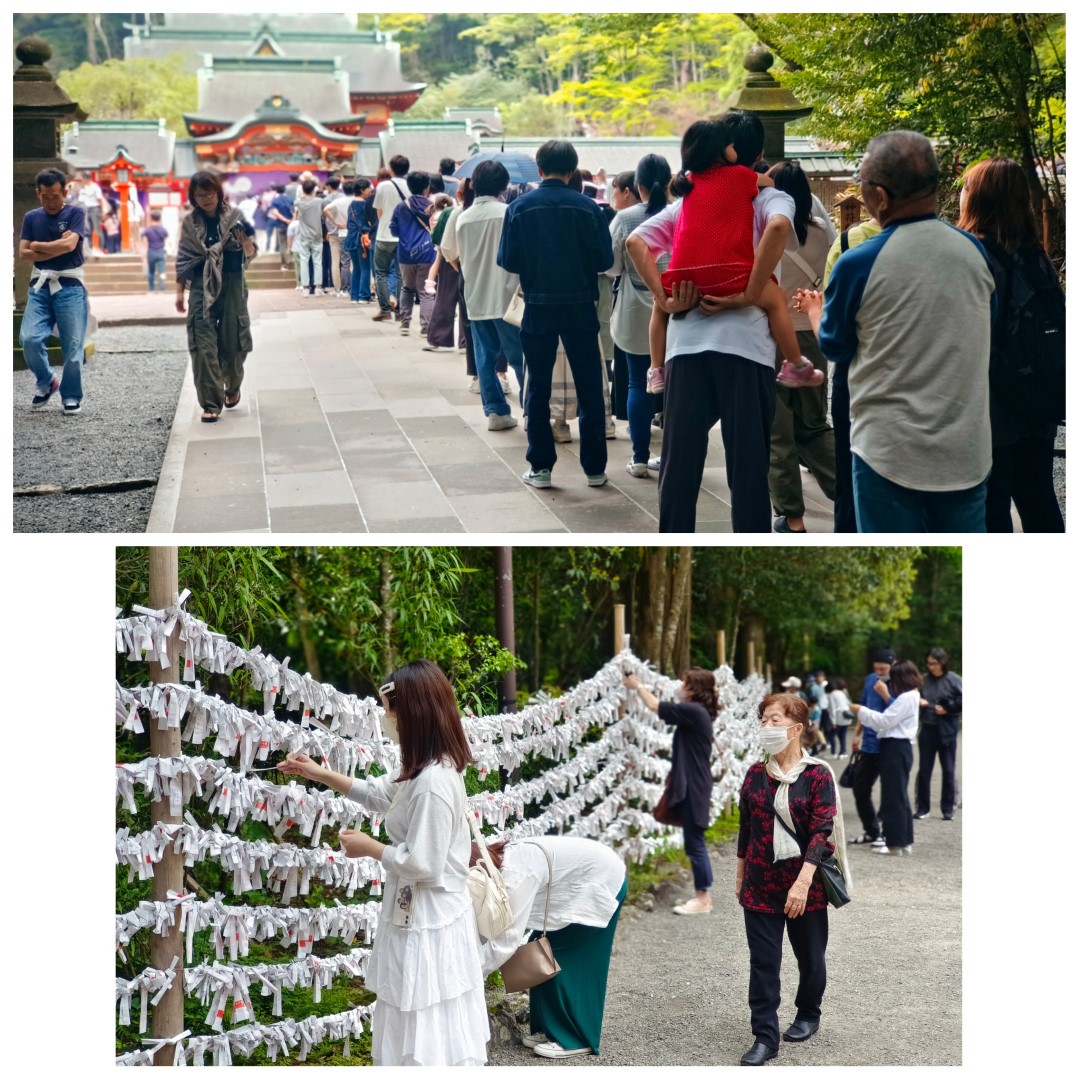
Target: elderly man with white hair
(909, 313)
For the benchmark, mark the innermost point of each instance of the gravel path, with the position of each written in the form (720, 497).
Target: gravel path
(677, 988)
(131, 386)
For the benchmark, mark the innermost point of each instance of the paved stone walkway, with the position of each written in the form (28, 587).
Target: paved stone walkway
(347, 426)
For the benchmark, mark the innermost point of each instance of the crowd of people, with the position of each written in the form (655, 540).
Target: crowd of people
(721, 294)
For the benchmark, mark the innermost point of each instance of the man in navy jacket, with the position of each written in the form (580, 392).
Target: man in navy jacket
(557, 241)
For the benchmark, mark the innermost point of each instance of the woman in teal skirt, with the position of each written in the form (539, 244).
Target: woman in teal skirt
(588, 886)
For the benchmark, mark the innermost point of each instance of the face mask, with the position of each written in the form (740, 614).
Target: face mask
(774, 739)
(389, 726)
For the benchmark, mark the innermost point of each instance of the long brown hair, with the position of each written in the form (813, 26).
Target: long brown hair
(700, 685)
(903, 676)
(495, 850)
(428, 719)
(997, 204)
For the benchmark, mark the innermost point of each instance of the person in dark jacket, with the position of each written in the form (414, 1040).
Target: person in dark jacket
(690, 790)
(865, 740)
(776, 880)
(416, 252)
(557, 241)
(939, 723)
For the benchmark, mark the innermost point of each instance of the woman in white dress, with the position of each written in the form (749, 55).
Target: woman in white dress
(425, 962)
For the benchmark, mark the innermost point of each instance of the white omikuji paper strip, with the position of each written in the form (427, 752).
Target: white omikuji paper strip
(234, 926)
(278, 1038)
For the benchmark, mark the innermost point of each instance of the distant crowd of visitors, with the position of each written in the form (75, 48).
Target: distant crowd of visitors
(728, 305)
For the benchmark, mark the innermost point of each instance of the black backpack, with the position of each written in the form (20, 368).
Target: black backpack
(1027, 369)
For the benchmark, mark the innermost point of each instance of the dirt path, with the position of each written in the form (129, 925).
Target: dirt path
(677, 989)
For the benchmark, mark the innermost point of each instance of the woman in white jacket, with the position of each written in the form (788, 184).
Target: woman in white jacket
(896, 728)
(425, 963)
(588, 886)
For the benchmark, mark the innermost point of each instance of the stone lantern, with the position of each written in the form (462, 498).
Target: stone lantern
(39, 107)
(773, 103)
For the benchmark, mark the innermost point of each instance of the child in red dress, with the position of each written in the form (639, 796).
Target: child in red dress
(714, 247)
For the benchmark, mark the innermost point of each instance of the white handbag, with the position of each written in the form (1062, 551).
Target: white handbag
(515, 312)
(494, 915)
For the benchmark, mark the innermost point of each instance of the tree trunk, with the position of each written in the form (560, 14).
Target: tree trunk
(307, 641)
(386, 579)
(678, 601)
(91, 41)
(537, 673)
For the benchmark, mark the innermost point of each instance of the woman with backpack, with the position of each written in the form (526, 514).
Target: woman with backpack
(425, 963)
(1027, 347)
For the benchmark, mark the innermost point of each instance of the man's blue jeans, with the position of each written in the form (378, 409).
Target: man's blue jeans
(68, 310)
(882, 506)
(155, 263)
(387, 278)
(490, 337)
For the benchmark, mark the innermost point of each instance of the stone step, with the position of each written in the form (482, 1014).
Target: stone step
(135, 287)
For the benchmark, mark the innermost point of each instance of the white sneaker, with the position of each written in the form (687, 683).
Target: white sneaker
(554, 1050)
(474, 385)
(504, 382)
(562, 433)
(883, 850)
(301, 288)
(654, 464)
(609, 430)
(535, 1039)
(637, 468)
(693, 906)
(501, 423)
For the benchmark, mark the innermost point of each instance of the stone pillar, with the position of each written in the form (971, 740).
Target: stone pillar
(39, 107)
(773, 103)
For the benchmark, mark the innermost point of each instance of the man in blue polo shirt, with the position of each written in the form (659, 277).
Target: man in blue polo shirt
(52, 239)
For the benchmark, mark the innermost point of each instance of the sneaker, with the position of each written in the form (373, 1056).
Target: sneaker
(474, 385)
(43, 399)
(382, 316)
(329, 292)
(554, 1050)
(637, 468)
(504, 382)
(654, 464)
(796, 377)
(434, 348)
(71, 408)
(301, 288)
(501, 423)
(693, 906)
(654, 381)
(609, 430)
(597, 480)
(535, 1039)
(561, 432)
(922, 814)
(404, 329)
(537, 478)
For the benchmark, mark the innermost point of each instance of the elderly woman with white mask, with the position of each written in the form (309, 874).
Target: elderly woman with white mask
(776, 881)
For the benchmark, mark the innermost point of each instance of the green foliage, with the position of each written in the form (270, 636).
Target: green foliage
(136, 89)
(69, 35)
(980, 83)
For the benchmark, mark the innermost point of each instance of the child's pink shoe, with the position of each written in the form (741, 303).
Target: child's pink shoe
(654, 380)
(799, 377)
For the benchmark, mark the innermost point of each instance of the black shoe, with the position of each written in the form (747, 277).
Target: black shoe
(758, 1054)
(800, 1031)
(946, 817)
(922, 814)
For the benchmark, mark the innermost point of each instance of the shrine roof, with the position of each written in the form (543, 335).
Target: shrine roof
(95, 142)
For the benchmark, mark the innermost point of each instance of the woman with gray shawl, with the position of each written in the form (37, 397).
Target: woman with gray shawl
(776, 878)
(216, 243)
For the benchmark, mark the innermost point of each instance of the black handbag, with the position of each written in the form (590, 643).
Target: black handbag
(828, 872)
(847, 777)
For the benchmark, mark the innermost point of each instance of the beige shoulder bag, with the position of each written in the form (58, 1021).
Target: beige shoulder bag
(534, 963)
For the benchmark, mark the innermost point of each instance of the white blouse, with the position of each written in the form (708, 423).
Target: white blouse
(900, 720)
(586, 878)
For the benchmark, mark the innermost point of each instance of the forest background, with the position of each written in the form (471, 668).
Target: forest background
(981, 83)
(349, 615)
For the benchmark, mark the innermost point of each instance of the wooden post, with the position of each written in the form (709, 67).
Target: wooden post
(620, 629)
(721, 649)
(168, 1015)
(504, 623)
(751, 667)
(768, 676)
